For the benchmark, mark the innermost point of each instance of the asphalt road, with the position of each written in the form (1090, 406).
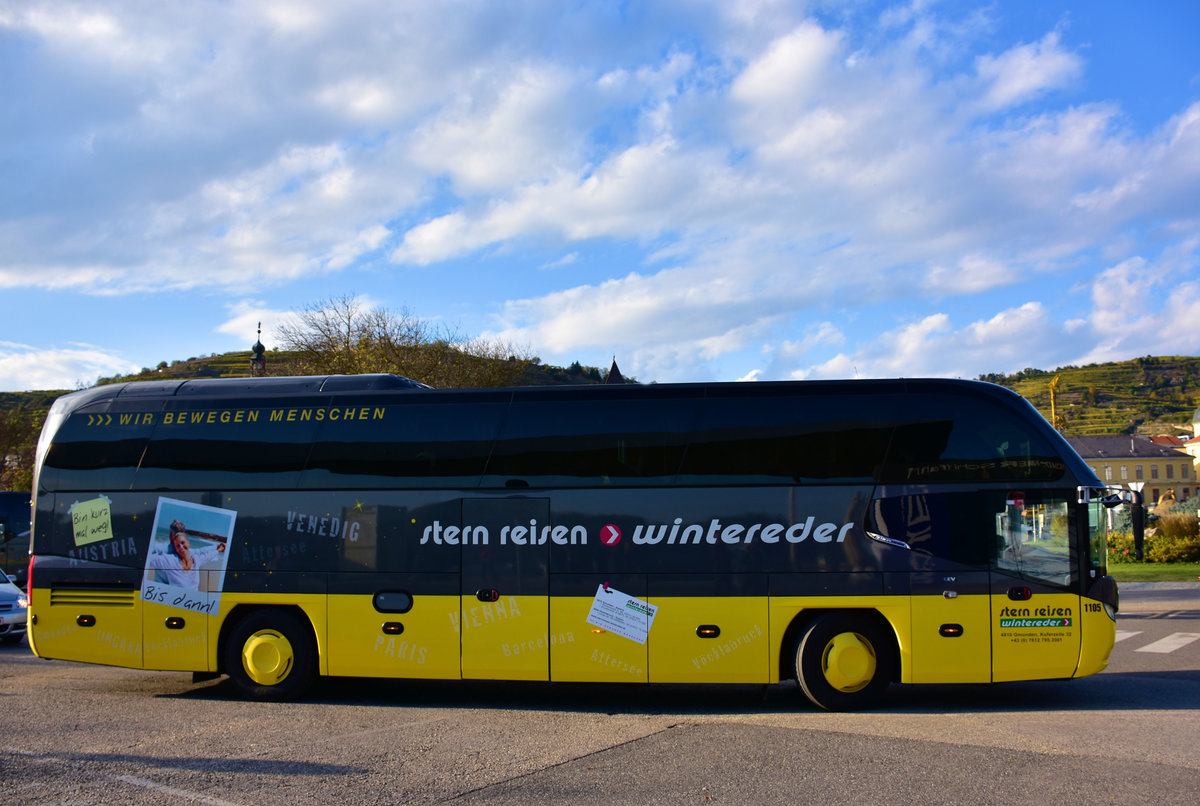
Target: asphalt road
(78, 734)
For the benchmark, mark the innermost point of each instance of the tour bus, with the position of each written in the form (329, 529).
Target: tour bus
(847, 535)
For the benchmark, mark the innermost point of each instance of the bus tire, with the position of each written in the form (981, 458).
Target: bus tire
(844, 661)
(269, 655)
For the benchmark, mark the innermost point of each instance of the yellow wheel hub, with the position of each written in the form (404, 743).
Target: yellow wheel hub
(267, 657)
(848, 662)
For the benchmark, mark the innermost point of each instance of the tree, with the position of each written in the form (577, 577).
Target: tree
(19, 429)
(345, 336)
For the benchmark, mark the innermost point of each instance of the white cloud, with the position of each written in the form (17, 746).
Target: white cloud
(246, 316)
(757, 171)
(973, 274)
(792, 71)
(499, 134)
(1147, 307)
(1027, 71)
(24, 367)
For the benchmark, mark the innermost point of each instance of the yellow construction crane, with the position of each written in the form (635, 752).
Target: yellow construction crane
(1054, 419)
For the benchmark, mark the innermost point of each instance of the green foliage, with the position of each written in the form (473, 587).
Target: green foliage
(19, 429)
(1121, 548)
(1175, 538)
(1149, 395)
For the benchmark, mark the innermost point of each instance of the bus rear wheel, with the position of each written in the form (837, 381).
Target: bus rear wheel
(844, 661)
(269, 655)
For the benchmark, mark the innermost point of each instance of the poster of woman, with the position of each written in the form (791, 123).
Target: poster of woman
(185, 566)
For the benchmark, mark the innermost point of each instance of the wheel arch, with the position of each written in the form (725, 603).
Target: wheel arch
(802, 620)
(242, 611)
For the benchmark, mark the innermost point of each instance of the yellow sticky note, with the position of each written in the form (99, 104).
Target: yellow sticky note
(92, 520)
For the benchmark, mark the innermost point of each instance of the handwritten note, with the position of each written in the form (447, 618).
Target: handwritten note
(91, 520)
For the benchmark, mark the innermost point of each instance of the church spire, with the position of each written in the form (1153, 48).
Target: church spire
(258, 355)
(614, 374)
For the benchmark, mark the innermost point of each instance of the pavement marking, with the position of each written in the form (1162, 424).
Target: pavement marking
(170, 790)
(1123, 634)
(1171, 643)
(198, 797)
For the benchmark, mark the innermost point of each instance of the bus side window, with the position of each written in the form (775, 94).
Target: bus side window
(952, 439)
(618, 442)
(197, 445)
(788, 440)
(955, 526)
(92, 451)
(1036, 536)
(415, 443)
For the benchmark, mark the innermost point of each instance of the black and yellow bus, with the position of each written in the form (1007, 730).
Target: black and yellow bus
(847, 535)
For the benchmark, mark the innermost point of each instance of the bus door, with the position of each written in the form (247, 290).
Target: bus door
(1035, 577)
(950, 635)
(505, 605)
(945, 539)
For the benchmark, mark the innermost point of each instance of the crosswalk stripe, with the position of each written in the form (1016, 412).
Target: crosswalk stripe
(1123, 634)
(1171, 642)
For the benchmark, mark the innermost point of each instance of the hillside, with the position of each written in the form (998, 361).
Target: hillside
(1150, 395)
(236, 365)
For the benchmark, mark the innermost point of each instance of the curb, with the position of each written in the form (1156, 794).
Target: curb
(1158, 586)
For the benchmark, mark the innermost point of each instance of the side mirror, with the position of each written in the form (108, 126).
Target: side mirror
(1109, 496)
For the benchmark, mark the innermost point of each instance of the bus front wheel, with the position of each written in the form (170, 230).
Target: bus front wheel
(269, 655)
(844, 661)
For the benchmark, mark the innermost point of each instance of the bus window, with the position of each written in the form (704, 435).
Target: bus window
(952, 526)
(198, 446)
(607, 441)
(773, 439)
(1035, 537)
(950, 438)
(424, 443)
(1020, 533)
(94, 450)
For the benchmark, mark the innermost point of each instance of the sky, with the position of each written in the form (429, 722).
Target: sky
(756, 190)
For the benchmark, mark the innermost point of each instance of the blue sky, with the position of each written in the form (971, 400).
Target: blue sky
(706, 190)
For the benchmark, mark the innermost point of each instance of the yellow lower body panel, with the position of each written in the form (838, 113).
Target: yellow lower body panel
(87, 625)
(1099, 636)
(507, 639)
(951, 639)
(174, 639)
(710, 640)
(422, 643)
(581, 653)
(1037, 639)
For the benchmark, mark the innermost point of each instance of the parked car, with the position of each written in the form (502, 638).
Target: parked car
(13, 605)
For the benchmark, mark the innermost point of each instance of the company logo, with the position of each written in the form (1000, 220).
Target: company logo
(1035, 617)
(1009, 623)
(714, 532)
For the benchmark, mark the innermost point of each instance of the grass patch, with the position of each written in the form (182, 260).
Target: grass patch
(1155, 572)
